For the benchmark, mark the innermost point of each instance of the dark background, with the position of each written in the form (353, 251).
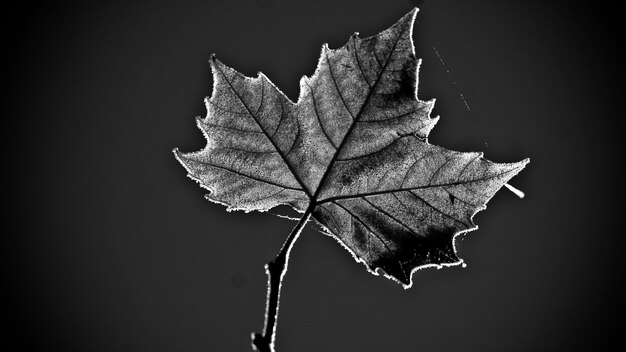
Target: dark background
(110, 247)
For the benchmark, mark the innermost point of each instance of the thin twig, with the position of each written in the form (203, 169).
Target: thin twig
(275, 271)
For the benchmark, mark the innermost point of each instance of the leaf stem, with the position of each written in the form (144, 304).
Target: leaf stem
(275, 271)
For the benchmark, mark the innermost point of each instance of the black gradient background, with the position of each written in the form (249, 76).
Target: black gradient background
(110, 247)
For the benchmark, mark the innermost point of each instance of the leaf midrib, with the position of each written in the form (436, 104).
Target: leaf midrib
(356, 117)
(448, 184)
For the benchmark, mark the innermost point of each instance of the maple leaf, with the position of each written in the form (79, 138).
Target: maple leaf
(352, 153)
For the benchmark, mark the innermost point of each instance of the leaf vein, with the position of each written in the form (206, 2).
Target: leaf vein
(461, 183)
(332, 77)
(289, 166)
(358, 61)
(437, 209)
(319, 120)
(367, 227)
(249, 176)
(346, 136)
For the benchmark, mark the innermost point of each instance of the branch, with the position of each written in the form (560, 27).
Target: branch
(276, 270)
